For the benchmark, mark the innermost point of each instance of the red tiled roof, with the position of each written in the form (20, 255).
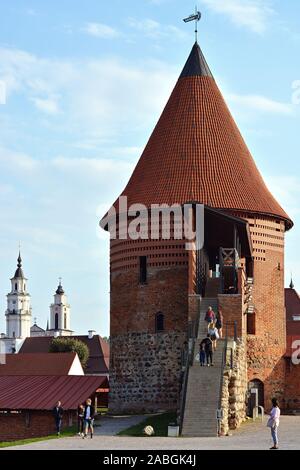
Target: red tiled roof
(292, 303)
(42, 392)
(196, 153)
(98, 362)
(37, 364)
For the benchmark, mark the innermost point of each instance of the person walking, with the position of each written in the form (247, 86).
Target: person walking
(58, 416)
(202, 354)
(210, 316)
(213, 334)
(88, 417)
(273, 423)
(208, 348)
(219, 323)
(80, 419)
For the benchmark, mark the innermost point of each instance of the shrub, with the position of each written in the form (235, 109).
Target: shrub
(71, 345)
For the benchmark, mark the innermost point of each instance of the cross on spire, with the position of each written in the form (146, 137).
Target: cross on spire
(194, 17)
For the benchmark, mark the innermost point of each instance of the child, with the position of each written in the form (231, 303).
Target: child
(202, 355)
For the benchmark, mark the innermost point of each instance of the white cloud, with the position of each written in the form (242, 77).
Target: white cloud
(156, 30)
(17, 161)
(102, 98)
(48, 106)
(100, 30)
(260, 103)
(251, 14)
(286, 189)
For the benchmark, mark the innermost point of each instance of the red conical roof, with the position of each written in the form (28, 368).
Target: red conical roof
(196, 152)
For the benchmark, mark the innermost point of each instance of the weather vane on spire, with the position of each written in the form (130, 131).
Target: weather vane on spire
(195, 17)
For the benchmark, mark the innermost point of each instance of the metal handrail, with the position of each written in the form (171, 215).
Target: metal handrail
(188, 362)
(183, 392)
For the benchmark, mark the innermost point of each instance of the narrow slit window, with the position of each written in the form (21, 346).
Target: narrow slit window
(159, 322)
(143, 269)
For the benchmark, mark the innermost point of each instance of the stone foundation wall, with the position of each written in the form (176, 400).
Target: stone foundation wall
(234, 392)
(145, 373)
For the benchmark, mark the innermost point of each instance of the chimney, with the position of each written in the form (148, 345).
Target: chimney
(91, 333)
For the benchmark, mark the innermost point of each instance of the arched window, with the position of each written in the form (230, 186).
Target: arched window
(56, 321)
(16, 286)
(159, 322)
(65, 321)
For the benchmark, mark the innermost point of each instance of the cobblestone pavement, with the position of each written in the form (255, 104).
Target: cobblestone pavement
(251, 436)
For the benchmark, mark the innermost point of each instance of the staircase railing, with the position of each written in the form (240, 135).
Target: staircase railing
(189, 360)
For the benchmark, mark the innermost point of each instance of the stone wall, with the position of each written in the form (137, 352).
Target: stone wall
(235, 384)
(145, 373)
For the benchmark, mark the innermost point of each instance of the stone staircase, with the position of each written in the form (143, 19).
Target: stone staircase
(203, 388)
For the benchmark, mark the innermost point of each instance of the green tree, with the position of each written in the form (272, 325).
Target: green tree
(71, 345)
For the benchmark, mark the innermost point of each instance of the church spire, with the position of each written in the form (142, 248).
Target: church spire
(59, 289)
(19, 272)
(292, 284)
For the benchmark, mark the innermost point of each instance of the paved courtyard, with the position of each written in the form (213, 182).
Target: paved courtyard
(249, 437)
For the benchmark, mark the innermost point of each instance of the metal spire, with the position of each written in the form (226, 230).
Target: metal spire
(195, 17)
(19, 258)
(292, 284)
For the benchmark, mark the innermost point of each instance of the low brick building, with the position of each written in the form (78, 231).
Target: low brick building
(41, 364)
(26, 402)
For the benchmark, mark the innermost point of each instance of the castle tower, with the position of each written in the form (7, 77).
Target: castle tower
(195, 153)
(60, 314)
(18, 313)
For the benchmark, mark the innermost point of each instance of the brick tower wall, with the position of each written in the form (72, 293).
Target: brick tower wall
(267, 346)
(145, 365)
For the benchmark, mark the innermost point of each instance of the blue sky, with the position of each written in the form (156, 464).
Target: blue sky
(85, 84)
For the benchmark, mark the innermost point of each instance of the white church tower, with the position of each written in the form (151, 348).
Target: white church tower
(60, 314)
(18, 312)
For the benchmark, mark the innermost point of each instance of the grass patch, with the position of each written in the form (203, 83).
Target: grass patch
(102, 411)
(65, 433)
(158, 422)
